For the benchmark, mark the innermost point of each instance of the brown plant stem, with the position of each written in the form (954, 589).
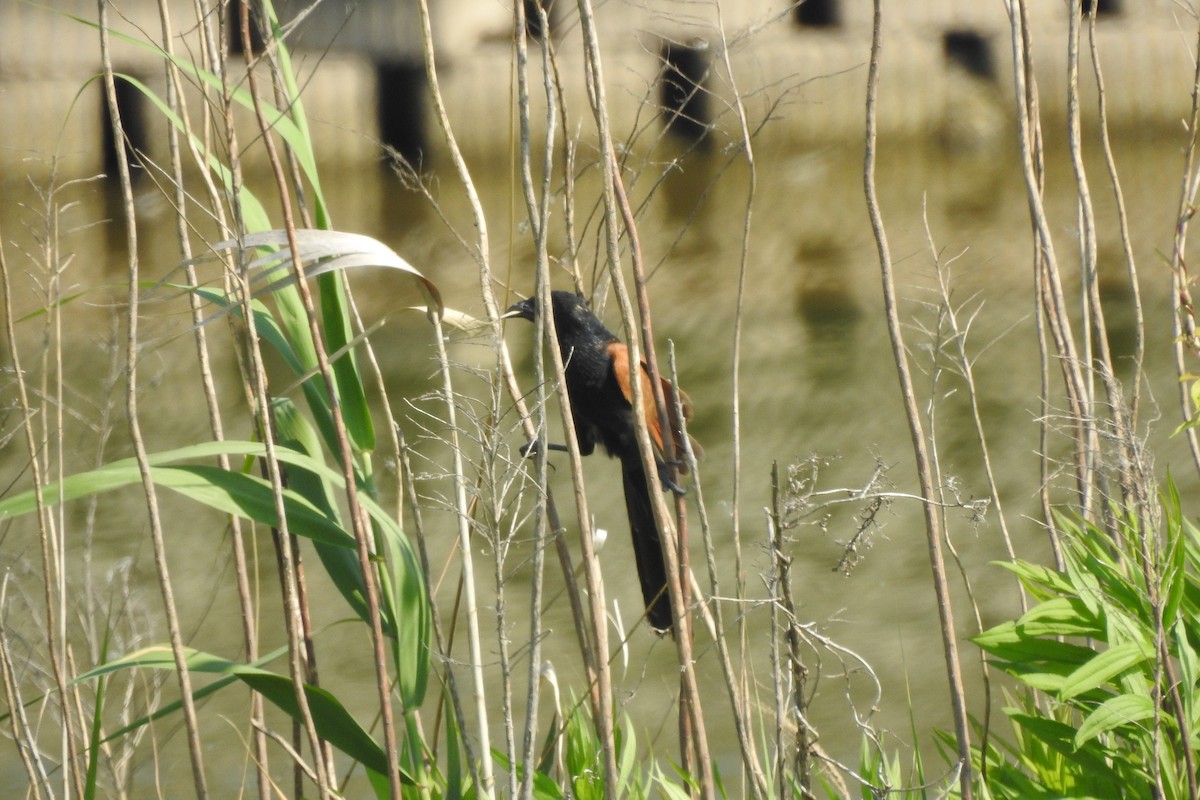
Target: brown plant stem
(504, 363)
(22, 733)
(538, 211)
(176, 100)
(693, 737)
(345, 457)
(596, 94)
(734, 684)
(912, 412)
(183, 674)
(1185, 338)
(742, 697)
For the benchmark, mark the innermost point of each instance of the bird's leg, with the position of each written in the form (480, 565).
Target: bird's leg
(531, 448)
(664, 477)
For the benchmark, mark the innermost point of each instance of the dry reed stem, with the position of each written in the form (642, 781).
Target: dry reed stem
(418, 528)
(539, 215)
(311, 672)
(965, 364)
(281, 535)
(51, 525)
(1135, 291)
(1133, 491)
(22, 733)
(742, 698)
(735, 683)
(462, 514)
(177, 102)
(1185, 341)
(612, 207)
(363, 544)
(924, 474)
(481, 253)
(216, 59)
(552, 79)
(692, 733)
(948, 317)
(191, 724)
(1185, 338)
(1030, 141)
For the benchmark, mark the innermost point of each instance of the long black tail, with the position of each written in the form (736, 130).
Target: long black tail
(652, 571)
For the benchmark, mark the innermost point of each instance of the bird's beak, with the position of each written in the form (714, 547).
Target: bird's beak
(523, 309)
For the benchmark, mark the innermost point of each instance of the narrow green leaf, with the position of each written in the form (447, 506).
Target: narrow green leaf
(1061, 616)
(264, 324)
(59, 303)
(1175, 574)
(1048, 682)
(233, 493)
(335, 316)
(253, 498)
(407, 604)
(1189, 670)
(626, 754)
(549, 744)
(1103, 668)
(1113, 713)
(407, 609)
(1085, 586)
(303, 140)
(279, 121)
(1038, 577)
(1060, 738)
(1007, 642)
(671, 790)
(333, 722)
(174, 706)
(544, 788)
(293, 321)
(253, 213)
(94, 753)
(1003, 634)
(457, 780)
(341, 563)
(123, 472)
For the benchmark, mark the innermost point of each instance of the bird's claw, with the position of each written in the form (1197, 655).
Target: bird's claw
(665, 478)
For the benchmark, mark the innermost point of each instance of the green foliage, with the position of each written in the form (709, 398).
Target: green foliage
(580, 773)
(306, 445)
(334, 724)
(1107, 661)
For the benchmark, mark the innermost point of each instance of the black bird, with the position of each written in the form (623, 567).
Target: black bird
(597, 372)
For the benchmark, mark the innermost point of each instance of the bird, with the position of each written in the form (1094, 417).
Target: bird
(598, 385)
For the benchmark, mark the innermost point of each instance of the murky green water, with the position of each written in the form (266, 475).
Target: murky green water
(817, 379)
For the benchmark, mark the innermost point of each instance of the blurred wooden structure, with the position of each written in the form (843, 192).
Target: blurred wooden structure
(946, 71)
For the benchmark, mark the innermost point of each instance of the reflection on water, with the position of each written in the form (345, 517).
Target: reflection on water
(817, 378)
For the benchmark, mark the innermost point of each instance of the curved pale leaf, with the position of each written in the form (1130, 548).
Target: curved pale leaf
(321, 252)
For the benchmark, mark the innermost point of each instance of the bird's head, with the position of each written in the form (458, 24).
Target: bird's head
(525, 309)
(570, 310)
